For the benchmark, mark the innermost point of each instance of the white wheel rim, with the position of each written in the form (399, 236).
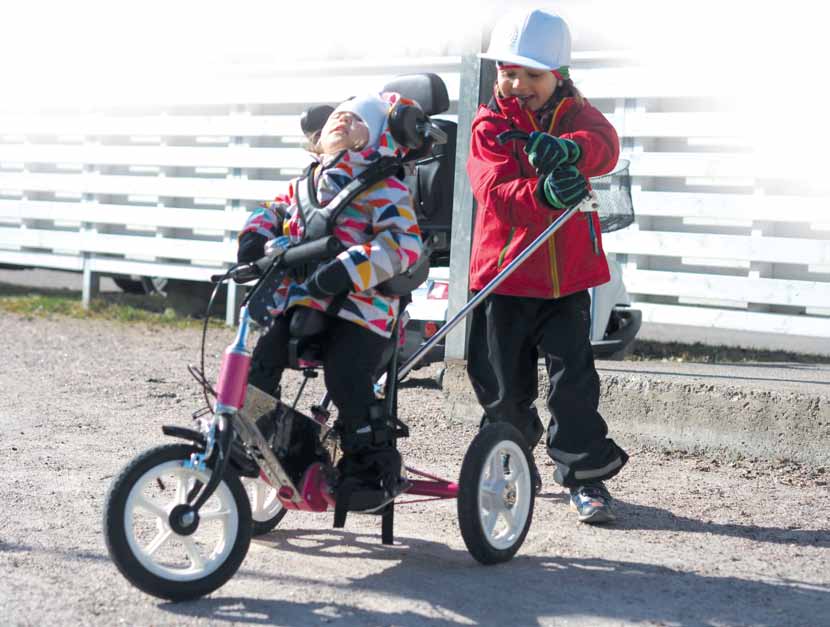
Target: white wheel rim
(504, 494)
(165, 553)
(264, 501)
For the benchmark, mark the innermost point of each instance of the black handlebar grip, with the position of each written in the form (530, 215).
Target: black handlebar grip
(506, 136)
(246, 273)
(318, 250)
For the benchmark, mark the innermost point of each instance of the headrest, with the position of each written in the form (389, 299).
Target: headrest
(313, 119)
(427, 89)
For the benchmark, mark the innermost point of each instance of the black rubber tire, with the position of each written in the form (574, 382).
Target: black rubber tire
(439, 378)
(129, 286)
(123, 556)
(261, 527)
(472, 468)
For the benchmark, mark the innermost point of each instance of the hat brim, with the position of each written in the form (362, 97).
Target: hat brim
(515, 59)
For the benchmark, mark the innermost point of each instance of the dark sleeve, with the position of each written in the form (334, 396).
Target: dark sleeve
(251, 247)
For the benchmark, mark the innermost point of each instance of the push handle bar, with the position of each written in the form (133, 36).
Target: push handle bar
(318, 250)
(506, 136)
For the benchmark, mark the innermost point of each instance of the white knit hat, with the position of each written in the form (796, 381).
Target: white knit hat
(372, 109)
(536, 39)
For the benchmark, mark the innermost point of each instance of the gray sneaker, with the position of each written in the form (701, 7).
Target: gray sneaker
(592, 503)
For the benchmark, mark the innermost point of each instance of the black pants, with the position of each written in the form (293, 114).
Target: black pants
(507, 336)
(351, 357)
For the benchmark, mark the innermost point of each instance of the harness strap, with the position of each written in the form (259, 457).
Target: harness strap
(307, 198)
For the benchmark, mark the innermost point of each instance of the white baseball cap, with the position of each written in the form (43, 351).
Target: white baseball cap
(536, 39)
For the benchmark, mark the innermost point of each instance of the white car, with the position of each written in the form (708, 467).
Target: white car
(614, 324)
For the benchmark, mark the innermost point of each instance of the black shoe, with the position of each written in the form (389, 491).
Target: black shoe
(592, 503)
(373, 478)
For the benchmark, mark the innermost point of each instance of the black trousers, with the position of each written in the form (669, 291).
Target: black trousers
(507, 336)
(351, 357)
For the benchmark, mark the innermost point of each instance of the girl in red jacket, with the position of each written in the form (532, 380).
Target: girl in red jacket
(544, 306)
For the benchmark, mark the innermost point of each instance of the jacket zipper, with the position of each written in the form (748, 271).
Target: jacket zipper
(553, 265)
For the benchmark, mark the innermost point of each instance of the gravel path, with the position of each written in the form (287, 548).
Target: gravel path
(698, 543)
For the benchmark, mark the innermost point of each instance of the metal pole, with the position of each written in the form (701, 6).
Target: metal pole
(493, 284)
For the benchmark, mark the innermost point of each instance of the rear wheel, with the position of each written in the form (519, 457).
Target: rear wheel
(495, 494)
(148, 545)
(266, 508)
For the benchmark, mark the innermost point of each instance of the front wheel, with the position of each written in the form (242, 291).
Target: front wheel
(154, 557)
(495, 494)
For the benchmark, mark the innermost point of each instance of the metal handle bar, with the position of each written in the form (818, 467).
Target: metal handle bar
(506, 136)
(493, 284)
(318, 250)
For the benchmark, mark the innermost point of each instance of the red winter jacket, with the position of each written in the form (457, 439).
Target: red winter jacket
(511, 214)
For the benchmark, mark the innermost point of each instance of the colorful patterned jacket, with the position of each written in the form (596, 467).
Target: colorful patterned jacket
(378, 228)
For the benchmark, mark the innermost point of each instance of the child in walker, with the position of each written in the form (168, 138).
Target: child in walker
(381, 239)
(543, 308)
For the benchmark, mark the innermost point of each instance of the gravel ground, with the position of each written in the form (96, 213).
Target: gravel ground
(698, 542)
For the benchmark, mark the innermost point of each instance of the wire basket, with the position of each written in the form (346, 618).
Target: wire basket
(616, 211)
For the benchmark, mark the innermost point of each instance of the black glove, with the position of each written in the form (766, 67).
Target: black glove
(328, 279)
(546, 152)
(251, 247)
(564, 187)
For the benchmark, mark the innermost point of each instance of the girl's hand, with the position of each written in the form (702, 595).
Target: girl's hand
(546, 152)
(564, 187)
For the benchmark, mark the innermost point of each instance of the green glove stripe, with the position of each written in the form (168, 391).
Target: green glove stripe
(550, 194)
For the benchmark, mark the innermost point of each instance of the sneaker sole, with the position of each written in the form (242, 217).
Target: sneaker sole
(596, 517)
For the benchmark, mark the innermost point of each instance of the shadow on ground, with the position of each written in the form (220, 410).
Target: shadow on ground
(429, 580)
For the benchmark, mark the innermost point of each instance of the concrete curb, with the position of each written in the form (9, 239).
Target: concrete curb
(695, 407)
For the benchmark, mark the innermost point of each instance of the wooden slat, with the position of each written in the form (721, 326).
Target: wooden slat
(680, 124)
(167, 156)
(284, 90)
(649, 164)
(640, 82)
(41, 260)
(129, 245)
(707, 245)
(701, 165)
(187, 272)
(754, 322)
(752, 207)
(159, 125)
(181, 187)
(712, 286)
(136, 215)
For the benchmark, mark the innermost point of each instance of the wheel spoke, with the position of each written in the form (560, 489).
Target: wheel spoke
(516, 472)
(158, 541)
(181, 487)
(152, 508)
(259, 497)
(193, 552)
(496, 468)
(509, 518)
(489, 523)
(491, 487)
(486, 499)
(215, 514)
